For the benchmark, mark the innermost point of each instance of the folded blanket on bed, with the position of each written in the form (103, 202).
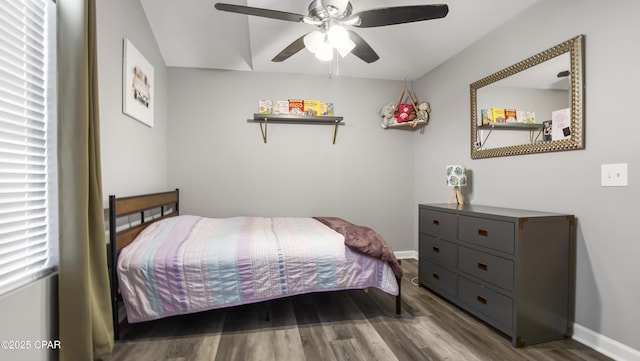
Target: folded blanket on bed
(363, 240)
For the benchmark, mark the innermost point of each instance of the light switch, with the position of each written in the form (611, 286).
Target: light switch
(613, 175)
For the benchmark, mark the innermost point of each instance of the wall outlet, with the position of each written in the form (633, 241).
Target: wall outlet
(613, 175)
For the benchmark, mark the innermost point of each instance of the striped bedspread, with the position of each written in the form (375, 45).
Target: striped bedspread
(188, 264)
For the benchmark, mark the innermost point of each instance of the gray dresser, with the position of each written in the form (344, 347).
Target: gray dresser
(511, 268)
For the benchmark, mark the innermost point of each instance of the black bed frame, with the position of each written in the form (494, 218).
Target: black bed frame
(168, 205)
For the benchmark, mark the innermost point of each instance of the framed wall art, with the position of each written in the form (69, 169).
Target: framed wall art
(137, 85)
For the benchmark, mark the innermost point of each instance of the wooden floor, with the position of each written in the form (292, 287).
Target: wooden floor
(346, 325)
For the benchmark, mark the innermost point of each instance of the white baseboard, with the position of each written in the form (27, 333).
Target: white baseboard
(406, 254)
(604, 345)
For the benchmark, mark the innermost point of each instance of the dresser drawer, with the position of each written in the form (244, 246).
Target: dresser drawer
(495, 270)
(437, 278)
(438, 250)
(441, 224)
(498, 307)
(489, 233)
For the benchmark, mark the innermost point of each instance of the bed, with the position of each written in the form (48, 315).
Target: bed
(165, 264)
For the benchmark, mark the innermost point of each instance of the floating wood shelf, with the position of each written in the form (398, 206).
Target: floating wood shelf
(514, 126)
(264, 119)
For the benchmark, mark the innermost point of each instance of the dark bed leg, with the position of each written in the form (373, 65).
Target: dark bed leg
(116, 326)
(267, 316)
(399, 297)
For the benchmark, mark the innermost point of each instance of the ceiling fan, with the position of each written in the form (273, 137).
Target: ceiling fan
(331, 17)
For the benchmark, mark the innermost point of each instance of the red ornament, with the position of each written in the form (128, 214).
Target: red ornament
(404, 113)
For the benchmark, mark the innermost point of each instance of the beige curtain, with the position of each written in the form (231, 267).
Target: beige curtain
(85, 326)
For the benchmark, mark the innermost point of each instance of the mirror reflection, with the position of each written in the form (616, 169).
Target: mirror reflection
(530, 107)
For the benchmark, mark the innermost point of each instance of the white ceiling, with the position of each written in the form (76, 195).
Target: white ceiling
(192, 33)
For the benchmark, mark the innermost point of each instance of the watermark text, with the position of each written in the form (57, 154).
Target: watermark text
(30, 344)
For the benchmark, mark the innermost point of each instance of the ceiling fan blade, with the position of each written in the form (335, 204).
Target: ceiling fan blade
(290, 50)
(265, 13)
(400, 15)
(362, 50)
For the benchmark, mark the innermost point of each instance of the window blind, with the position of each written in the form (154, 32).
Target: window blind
(27, 245)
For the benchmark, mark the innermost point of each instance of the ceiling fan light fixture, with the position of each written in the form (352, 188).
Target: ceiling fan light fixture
(336, 35)
(345, 47)
(313, 40)
(324, 52)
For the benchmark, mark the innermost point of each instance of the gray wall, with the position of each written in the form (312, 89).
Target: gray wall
(134, 156)
(608, 288)
(30, 313)
(223, 167)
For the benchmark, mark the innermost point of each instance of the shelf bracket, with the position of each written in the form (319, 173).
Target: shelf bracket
(263, 129)
(532, 132)
(484, 141)
(335, 131)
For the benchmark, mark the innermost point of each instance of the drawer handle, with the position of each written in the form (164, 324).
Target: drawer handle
(435, 275)
(482, 299)
(436, 222)
(483, 266)
(436, 249)
(483, 233)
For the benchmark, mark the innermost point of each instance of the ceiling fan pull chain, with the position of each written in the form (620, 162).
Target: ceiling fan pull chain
(334, 71)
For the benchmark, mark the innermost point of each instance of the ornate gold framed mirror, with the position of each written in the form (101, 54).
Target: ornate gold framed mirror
(533, 106)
